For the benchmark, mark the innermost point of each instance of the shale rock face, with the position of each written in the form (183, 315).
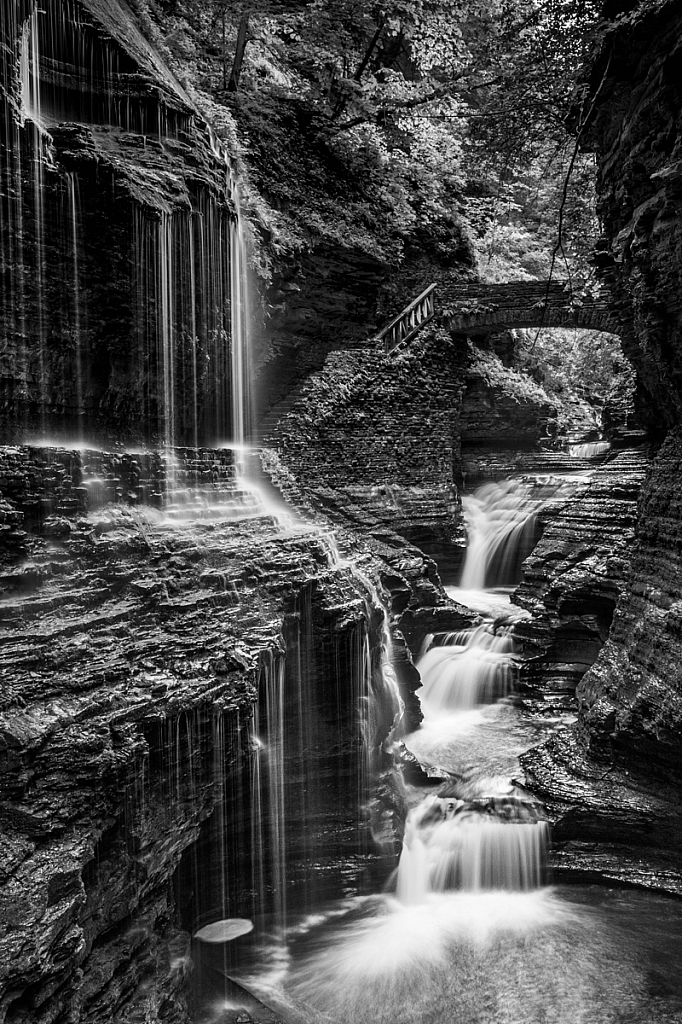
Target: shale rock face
(141, 659)
(636, 718)
(614, 780)
(636, 135)
(575, 576)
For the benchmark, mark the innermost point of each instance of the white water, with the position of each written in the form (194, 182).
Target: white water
(500, 520)
(483, 835)
(473, 667)
(590, 449)
(456, 844)
(502, 525)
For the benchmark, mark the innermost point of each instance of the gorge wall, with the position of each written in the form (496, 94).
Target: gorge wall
(615, 779)
(120, 235)
(141, 666)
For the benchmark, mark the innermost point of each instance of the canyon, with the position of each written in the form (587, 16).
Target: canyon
(230, 539)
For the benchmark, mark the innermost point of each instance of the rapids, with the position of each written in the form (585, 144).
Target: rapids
(468, 927)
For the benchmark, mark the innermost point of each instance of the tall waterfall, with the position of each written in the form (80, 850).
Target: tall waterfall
(126, 313)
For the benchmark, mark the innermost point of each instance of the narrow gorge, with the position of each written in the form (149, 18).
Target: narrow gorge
(340, 618)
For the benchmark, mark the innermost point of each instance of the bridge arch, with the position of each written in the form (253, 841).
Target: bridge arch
(480, 309)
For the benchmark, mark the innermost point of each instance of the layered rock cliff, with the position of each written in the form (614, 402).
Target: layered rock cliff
(144, 662)
(578, 571)
(634, 130)
(127, 338)
(614, 780)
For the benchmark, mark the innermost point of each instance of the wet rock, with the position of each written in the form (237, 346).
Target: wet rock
(126, 653)
(575, 576)
(635, 133)
(376, 437)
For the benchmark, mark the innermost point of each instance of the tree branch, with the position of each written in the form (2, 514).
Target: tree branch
(407, 104)
(360, 70)
(559, 247)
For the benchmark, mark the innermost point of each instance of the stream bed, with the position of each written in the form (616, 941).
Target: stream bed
(469, 927)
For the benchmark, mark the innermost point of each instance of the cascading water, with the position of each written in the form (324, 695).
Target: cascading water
(484, 836)
(501, 520)
(484, 841)
(473, 864)
(470, 667)
(589, 449)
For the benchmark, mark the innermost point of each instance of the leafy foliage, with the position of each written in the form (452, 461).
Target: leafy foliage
(577, 365)
(385, 127)
(373, 121)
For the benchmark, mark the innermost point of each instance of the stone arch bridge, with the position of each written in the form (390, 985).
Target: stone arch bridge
(476, 310)
(480, 309)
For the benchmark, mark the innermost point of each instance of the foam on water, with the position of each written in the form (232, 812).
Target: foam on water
(391, 965)
(467, 668)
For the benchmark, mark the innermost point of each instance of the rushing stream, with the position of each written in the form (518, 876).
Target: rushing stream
(293, 917)
(468, 928)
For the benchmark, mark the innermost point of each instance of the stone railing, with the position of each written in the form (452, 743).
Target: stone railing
(406, 324)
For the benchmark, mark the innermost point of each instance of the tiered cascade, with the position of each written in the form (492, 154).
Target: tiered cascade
(482, 835)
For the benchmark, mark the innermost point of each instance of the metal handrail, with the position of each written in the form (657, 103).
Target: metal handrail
(406, 324)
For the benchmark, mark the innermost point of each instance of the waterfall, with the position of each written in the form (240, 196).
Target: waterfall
(186, 297)
(496, 841)
(40, 155)
(589, 449)
(373, 601)
(168, 360)
(128, 311)
(29, 71)
(475, 666)
(483, 835)
(239, 311)
(81, 356)
(271, 831)
(501, 519)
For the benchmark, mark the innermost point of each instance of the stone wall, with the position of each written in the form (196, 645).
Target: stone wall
(380, 435)
(478, 308)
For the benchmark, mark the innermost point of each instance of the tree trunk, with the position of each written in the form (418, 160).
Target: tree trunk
(368, 54)
(233, 84)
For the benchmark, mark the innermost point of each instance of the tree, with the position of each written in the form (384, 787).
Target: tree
(434, 108)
